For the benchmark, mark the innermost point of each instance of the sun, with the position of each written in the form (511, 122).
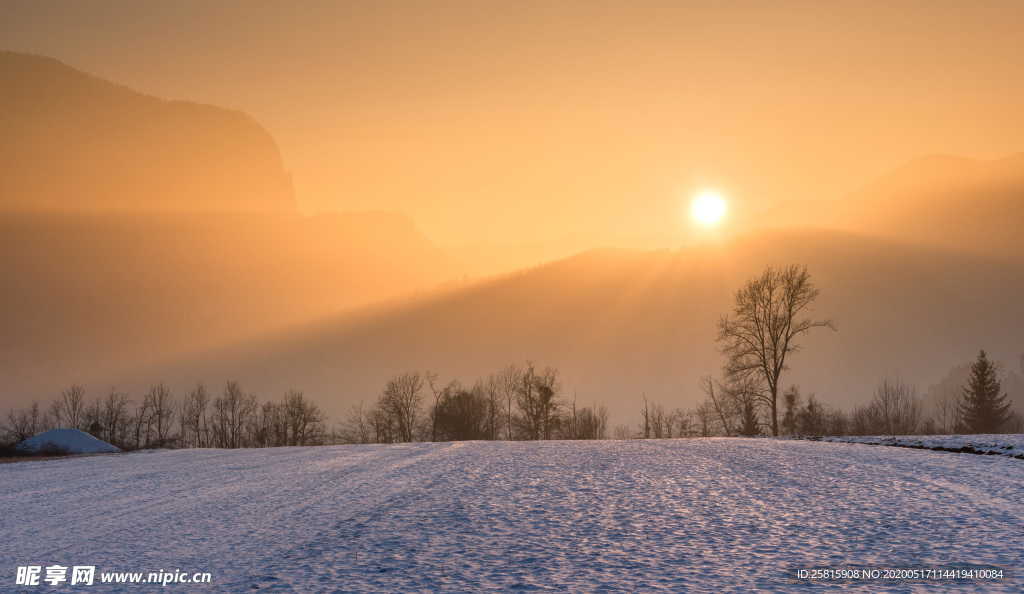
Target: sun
(708, 208)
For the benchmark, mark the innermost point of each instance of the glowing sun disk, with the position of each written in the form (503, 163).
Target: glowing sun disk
(708, 208)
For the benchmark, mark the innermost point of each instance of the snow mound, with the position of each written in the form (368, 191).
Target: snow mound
(1011, 445)
(71, 441)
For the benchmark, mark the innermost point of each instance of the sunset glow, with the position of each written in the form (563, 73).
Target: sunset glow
(484, 295)
(708, 208)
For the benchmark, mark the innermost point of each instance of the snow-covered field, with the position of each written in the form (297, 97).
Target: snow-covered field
(696, 515)
(995, 444)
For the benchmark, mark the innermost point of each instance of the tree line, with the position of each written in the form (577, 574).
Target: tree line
(230, 419)
(515, 403)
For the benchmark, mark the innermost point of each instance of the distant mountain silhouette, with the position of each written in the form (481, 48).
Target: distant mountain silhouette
(964, 204)
(621, 323)
(71, 141)
(134, 229)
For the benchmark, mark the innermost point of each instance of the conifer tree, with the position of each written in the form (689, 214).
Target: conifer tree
(982, 408)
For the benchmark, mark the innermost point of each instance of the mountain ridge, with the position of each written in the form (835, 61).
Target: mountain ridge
(74, 141)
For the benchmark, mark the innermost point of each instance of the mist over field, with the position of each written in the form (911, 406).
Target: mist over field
(128, 266)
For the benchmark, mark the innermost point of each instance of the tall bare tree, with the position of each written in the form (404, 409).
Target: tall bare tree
(23, 424)
(115, 417)
(302, 418)
(69, 410)
(492, 389)
(231, 413)
(160, 404)
(401, 400)
(705, 413)
(356, 427)
(508, 387)
(194, 420)
(766, 322)
(895, 408)
(709, 386)
(463, 414)
(537, 401)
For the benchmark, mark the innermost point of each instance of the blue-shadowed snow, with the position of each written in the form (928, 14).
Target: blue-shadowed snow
(679, 515)
(996, 443)
(71, 441)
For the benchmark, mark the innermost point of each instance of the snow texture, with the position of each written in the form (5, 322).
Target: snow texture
(71, 441)
(1011, 445)
(679, 515)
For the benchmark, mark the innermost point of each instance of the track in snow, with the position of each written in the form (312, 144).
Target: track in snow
(694, 514)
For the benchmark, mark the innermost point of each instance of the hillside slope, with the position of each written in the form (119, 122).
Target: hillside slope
(84, 295)
(72, 141)
(620, 323)
(962, 204)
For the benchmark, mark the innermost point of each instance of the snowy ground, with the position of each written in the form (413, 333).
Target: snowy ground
(995, 444)
(697, 515)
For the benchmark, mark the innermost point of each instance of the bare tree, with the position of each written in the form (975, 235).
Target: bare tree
(194, 420)
(945, 396)
(160, 404)
(742, 397)
(492, 388)
(92, 420)
(302, 418)
(141, 418)
(462, 414)
(705, 414)
(591, 423)
(383, 426)
(947, 406)
(896, 409)
(402, 399)
(537, 401)
(115, 417)
(708, 385)
(508, 386)
(764, 327)
(23, 424)
(356, 427)
(231, 412)
(685, 422)
(646, 416)
(69, 410)
(812, 418)
(437, 392)
(660, 422)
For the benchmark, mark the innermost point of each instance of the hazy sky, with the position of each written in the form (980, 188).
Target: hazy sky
(523, 121)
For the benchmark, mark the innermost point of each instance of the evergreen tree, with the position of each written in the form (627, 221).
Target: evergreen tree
(982, 408)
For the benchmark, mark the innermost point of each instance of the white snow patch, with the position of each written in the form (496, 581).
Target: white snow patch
(71, 441)
(1011, 444)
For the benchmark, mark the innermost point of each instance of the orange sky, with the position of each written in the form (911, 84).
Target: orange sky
(529, 121)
